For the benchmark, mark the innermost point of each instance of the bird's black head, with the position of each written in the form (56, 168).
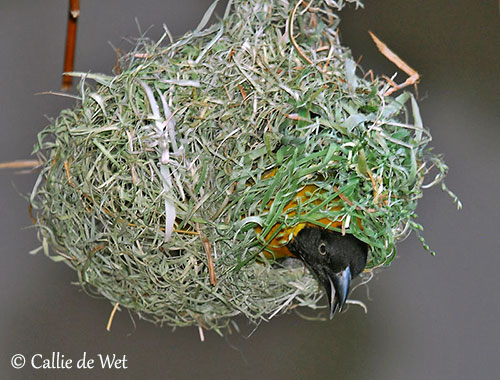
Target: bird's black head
(335, 259)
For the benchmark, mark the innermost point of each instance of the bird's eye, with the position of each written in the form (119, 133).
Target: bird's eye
(322, 249)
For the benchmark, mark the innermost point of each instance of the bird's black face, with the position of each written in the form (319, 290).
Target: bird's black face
(333, 258)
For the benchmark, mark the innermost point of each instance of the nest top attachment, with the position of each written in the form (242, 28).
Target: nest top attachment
(163, 186)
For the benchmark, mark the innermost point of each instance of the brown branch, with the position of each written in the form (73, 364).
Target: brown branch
(69, 54)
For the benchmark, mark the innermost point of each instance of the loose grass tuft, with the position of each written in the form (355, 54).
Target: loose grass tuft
(153, 185)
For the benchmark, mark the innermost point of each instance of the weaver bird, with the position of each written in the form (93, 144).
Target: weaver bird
(335, 259)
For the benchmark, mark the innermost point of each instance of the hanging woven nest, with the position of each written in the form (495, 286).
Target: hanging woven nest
(161, 187)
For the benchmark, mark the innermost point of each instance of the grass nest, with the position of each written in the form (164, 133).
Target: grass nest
(155, 187)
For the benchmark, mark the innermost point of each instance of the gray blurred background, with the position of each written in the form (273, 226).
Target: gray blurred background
(429, 317)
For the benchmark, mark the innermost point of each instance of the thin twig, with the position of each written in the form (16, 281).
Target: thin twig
(111, 316)
(208, 250)
(21, 164)
(68, 174)
(242, 91)
(185, 232)
(117, 68)
(413, 76)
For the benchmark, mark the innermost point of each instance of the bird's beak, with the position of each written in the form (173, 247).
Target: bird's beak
(337, 289)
